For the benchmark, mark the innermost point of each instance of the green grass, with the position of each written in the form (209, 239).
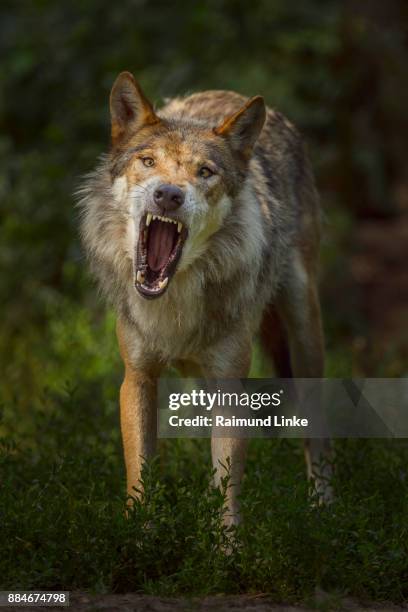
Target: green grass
(63, 524)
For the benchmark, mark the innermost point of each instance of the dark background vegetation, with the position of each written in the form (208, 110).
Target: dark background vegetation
(338, 69)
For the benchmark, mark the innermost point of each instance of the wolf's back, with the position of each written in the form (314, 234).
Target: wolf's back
(280, 169)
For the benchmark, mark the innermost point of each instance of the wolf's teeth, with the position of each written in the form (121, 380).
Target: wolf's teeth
(148, 219)
(140, 277)
(179, 226)
(163, 283)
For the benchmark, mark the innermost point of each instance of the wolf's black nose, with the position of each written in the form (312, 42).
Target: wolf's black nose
(168, 197)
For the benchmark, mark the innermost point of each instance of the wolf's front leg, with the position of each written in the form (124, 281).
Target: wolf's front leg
(228, 457)
(138, 410)
(230, 359)
(138, 395)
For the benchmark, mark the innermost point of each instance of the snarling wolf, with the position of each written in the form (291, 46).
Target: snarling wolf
(202, 226)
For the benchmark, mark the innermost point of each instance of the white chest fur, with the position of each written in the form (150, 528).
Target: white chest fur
(169, 326)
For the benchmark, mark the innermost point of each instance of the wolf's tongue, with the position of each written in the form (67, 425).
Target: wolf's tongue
(160, 243)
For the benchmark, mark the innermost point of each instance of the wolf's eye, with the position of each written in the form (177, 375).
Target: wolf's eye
(148, 161)
(205, 172)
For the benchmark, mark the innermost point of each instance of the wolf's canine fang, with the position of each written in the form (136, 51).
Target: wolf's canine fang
(159, 249)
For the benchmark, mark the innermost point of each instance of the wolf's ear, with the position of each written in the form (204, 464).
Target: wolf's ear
(243, 128)
(129, 107)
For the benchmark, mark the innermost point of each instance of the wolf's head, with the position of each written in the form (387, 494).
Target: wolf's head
(179, 175)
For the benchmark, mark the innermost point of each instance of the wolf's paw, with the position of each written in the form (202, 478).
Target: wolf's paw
(324, 494)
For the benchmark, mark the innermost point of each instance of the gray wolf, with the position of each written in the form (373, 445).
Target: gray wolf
(202, 227)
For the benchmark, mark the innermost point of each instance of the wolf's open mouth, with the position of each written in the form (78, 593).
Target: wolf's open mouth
(159, 248)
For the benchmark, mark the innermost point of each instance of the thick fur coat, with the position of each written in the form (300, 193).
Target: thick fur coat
(202, 227)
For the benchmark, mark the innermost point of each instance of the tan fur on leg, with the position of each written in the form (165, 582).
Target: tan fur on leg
(230, 359)
(229, 452)
(138, 417)
(138, 424)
